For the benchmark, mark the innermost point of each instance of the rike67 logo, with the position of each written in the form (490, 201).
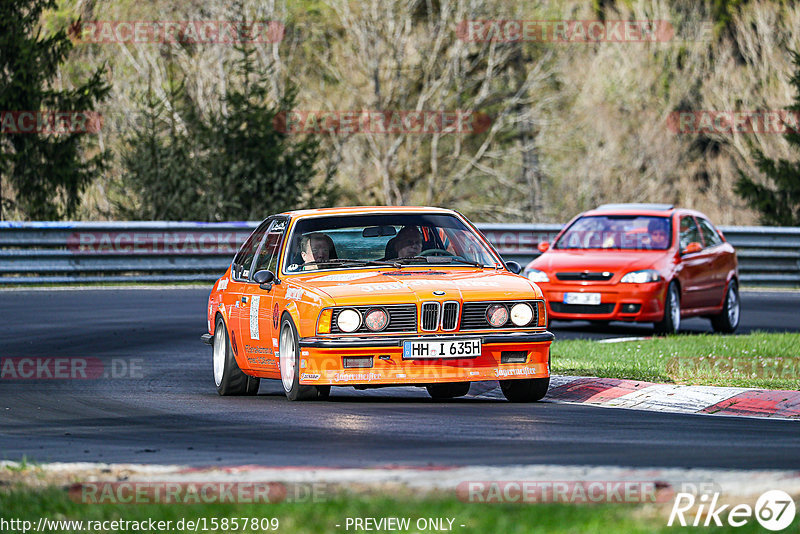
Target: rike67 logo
(774, 510)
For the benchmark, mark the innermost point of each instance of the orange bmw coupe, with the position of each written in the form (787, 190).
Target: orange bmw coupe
(640, 262)
(373, 297)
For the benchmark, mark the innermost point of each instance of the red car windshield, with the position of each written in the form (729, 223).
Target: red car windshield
(623, 232)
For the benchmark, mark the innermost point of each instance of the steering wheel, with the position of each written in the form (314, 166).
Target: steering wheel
(435, 252)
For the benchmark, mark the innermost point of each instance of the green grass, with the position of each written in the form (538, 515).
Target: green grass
(21, 466)
(758, 360)
(322, 517)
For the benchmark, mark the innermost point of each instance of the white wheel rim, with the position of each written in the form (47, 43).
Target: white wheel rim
(286, 357)
(733, 307)
(675, 305)
(219, 354)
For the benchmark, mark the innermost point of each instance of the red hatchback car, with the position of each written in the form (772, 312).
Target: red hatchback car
(640, 262)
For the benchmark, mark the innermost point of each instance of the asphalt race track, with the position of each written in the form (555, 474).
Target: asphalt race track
(169, 412)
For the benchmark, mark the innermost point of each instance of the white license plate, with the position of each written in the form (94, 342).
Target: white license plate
(582, 298)
(460, 348)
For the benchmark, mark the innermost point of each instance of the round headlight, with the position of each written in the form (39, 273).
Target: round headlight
(376, 319)
(348, 320)
(521, 314)
(497, 315)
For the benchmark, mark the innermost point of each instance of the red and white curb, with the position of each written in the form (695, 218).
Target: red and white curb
(641, 395)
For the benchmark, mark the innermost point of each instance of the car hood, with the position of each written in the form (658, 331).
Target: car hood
(614, 261)
(414, 285)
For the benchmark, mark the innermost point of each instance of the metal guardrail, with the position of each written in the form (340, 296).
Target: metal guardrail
(88, 252)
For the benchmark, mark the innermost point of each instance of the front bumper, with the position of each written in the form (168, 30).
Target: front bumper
(618, 302)
(322, 360)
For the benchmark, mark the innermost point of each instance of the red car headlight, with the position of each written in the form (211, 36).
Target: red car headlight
(641, 277)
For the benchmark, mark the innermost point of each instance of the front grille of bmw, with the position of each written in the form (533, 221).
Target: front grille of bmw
(446, 315)
(440, 314)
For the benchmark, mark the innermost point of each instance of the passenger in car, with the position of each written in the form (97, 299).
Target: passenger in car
(407, 243)
(611, 235)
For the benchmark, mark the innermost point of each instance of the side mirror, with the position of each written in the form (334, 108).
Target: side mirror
(264, 279)
(514, 267)
(693, 247)
(544, 246)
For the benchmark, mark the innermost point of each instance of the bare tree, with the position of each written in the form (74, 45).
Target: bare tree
(409, 56)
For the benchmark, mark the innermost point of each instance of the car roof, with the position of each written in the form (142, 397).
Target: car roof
(358, 210)
(616, 207)
(652, 210)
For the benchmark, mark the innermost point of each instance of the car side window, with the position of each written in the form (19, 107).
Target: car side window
(689, 232)
(710, 234)
(268, 255)
(244, 258)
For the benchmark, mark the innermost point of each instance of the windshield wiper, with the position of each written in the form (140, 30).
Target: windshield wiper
(458, 259)
(342, 261)
(469, 262)
(438, 260)
(409, 259)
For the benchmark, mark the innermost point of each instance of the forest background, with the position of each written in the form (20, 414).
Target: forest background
(189, 129)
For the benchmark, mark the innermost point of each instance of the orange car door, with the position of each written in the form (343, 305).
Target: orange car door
(236, 300)
(257, 328)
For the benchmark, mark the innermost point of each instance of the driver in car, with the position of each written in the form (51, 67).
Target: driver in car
(657, 232)
(408, 242)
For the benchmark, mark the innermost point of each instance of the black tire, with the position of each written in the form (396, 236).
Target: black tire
(229, 379)
(525, 389)
(289, 348)
(728, 320)
(448, 390)
(671, 322)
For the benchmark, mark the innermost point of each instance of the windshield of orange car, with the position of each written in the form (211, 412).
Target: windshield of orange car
(622, 232)
(353, 241)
